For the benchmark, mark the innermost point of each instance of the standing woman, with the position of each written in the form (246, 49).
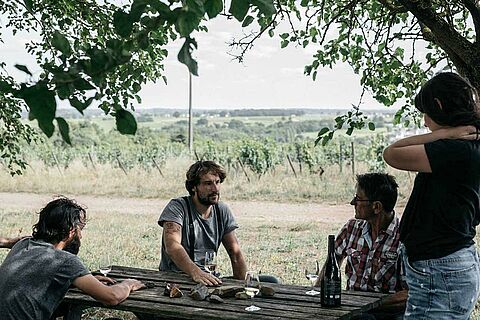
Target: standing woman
(438, 225)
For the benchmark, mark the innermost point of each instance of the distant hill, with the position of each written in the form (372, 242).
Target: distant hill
(71, 113)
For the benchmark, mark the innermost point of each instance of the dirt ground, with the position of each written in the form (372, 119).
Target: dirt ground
(271, 211)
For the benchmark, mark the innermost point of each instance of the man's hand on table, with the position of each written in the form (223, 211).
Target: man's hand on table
(134, 284)
(205, 278)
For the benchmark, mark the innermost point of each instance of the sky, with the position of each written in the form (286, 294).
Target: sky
(269, 77)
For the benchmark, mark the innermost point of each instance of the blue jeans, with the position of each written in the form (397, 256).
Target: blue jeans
(444, 288)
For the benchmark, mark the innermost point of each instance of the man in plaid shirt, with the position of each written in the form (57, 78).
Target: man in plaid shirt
(370, 244)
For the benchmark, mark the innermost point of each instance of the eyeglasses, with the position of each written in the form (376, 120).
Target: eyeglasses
(356, 199)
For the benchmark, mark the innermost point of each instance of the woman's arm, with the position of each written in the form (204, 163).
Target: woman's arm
(409, 153)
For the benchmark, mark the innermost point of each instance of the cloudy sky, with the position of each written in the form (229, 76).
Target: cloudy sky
(269, 77)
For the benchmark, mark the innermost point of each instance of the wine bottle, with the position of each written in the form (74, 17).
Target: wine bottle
(330, 283)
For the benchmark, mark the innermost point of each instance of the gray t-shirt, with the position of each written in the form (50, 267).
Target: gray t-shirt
(34, 278)
(208, 233)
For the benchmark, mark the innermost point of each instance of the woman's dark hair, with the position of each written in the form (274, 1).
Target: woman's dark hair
(379, 187)
(200, 168)
(57, 219)
(457, 97)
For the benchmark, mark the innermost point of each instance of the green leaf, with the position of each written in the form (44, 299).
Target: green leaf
(126, 123)
(323, 131)
(137, 9)
(349, 131)
(143, 40)
(304, 3)
(122, 23)
(239, 9)
(265, 6)
(64, 90)
(325, 140)
(42, 105)
(187, 22)
(61, 43)
(82, 84)
(23, 68)
(185, 55)
(196, 6)
(213, 7)
(248, 20)
(64, 129)
(79, 105)
(28, 5)
(371, 126)
(284, 43)
(5, 87)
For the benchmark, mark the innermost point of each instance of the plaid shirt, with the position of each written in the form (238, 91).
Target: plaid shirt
(370, 266)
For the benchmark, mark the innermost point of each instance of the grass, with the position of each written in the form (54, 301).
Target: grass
(334, 186)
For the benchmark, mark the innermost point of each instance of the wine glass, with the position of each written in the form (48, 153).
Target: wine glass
(311, 273)
(252, 287)
(105, 265)
(210, 261)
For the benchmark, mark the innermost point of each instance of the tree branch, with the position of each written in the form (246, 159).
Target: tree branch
(246, 45)
(458, 48)
(473, 7)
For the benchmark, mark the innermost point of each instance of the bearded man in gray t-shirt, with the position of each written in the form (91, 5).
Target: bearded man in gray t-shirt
(37, 272)
(199, 223)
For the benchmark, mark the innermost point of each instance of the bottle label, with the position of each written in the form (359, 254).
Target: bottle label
(332, 293)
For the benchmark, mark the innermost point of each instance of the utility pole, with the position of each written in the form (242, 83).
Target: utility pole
(190, 114)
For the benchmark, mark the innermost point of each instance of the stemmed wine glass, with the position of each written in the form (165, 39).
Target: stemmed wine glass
(210, 261)
(105, 265)
(252, 287)
(311, 273)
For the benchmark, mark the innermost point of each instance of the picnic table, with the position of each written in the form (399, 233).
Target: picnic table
(288, 302)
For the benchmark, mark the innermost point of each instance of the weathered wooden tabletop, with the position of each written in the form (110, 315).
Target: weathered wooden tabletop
(289, 301)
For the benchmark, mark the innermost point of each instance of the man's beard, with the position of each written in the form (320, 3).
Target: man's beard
(206, 201)
(74, 245)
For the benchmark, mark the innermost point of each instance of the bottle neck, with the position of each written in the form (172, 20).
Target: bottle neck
(331, 245)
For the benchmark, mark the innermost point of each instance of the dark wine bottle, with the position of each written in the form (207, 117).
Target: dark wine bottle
(331, 284)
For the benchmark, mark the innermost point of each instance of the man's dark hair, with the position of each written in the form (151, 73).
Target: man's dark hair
(57, 219)
(458, 99)
(379, 187)
(200, 168)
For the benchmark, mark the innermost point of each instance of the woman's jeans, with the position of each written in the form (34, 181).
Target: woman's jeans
(444, 288)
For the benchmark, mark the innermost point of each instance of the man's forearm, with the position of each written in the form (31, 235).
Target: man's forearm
(181, 259)
(4, 242)
(7, 242)
(239, 266)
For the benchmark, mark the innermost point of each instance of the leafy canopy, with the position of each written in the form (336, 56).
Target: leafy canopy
(100, 53)
(394, 45)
